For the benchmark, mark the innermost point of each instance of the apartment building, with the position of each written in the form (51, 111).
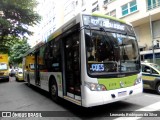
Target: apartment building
(73, 7)
(52, 13)
(144, 15)
(55, 13)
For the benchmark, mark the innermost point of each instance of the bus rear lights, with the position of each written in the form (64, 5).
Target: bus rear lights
(95, 86)
(137, 81)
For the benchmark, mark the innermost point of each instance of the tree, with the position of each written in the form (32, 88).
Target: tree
(15, 17)
(5, 46)
(18, 50)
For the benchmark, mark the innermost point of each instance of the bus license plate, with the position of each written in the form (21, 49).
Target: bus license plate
(123, 93)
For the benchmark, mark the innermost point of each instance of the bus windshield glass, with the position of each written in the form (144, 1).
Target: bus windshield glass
(109, 52)
(3, 66)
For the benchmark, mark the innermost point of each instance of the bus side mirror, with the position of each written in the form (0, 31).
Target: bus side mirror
(26, 67)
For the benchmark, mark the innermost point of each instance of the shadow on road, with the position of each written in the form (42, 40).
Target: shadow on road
(149, 91)
(3, 81)
(40, 91)
(88, 113)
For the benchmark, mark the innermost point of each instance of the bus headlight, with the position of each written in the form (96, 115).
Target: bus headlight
(138, 80)
(95, 86)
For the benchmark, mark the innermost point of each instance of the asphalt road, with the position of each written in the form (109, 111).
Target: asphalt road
(17, 96)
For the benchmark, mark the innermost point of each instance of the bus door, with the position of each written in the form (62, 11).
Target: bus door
(37, 70)
(72, 66)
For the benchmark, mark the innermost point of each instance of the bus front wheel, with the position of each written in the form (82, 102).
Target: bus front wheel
(54, 90)
(158, 88)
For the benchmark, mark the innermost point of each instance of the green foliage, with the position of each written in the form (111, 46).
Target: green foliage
(15, 17)
(5, 46)
(20, 65)
(17, 51)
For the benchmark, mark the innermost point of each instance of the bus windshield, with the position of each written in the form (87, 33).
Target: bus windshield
(109, 52)
(3, 66)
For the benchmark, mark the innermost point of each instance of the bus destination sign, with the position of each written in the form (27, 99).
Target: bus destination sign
(106, 23)
(94, 21)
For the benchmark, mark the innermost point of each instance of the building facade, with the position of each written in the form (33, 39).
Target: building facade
(144, 15)
(52, 17)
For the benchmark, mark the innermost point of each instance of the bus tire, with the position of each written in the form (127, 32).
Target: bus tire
(28, 81)
(53, 89)
(158, 88)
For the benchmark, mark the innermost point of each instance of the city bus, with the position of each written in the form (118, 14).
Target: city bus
(91, 60)
(4, 69)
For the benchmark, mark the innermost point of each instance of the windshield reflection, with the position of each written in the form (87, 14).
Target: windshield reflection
(111, 52)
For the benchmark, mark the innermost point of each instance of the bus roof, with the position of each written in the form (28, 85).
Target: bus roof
(109, 17)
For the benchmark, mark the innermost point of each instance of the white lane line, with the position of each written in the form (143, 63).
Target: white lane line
(152, 107)
(151, 96)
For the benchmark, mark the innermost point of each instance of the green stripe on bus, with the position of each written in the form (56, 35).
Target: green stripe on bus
(109, 17)
(114, 83)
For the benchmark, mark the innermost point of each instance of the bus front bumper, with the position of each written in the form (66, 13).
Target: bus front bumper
(95, 98)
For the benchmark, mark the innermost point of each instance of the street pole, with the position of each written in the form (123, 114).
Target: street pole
(154, 60)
